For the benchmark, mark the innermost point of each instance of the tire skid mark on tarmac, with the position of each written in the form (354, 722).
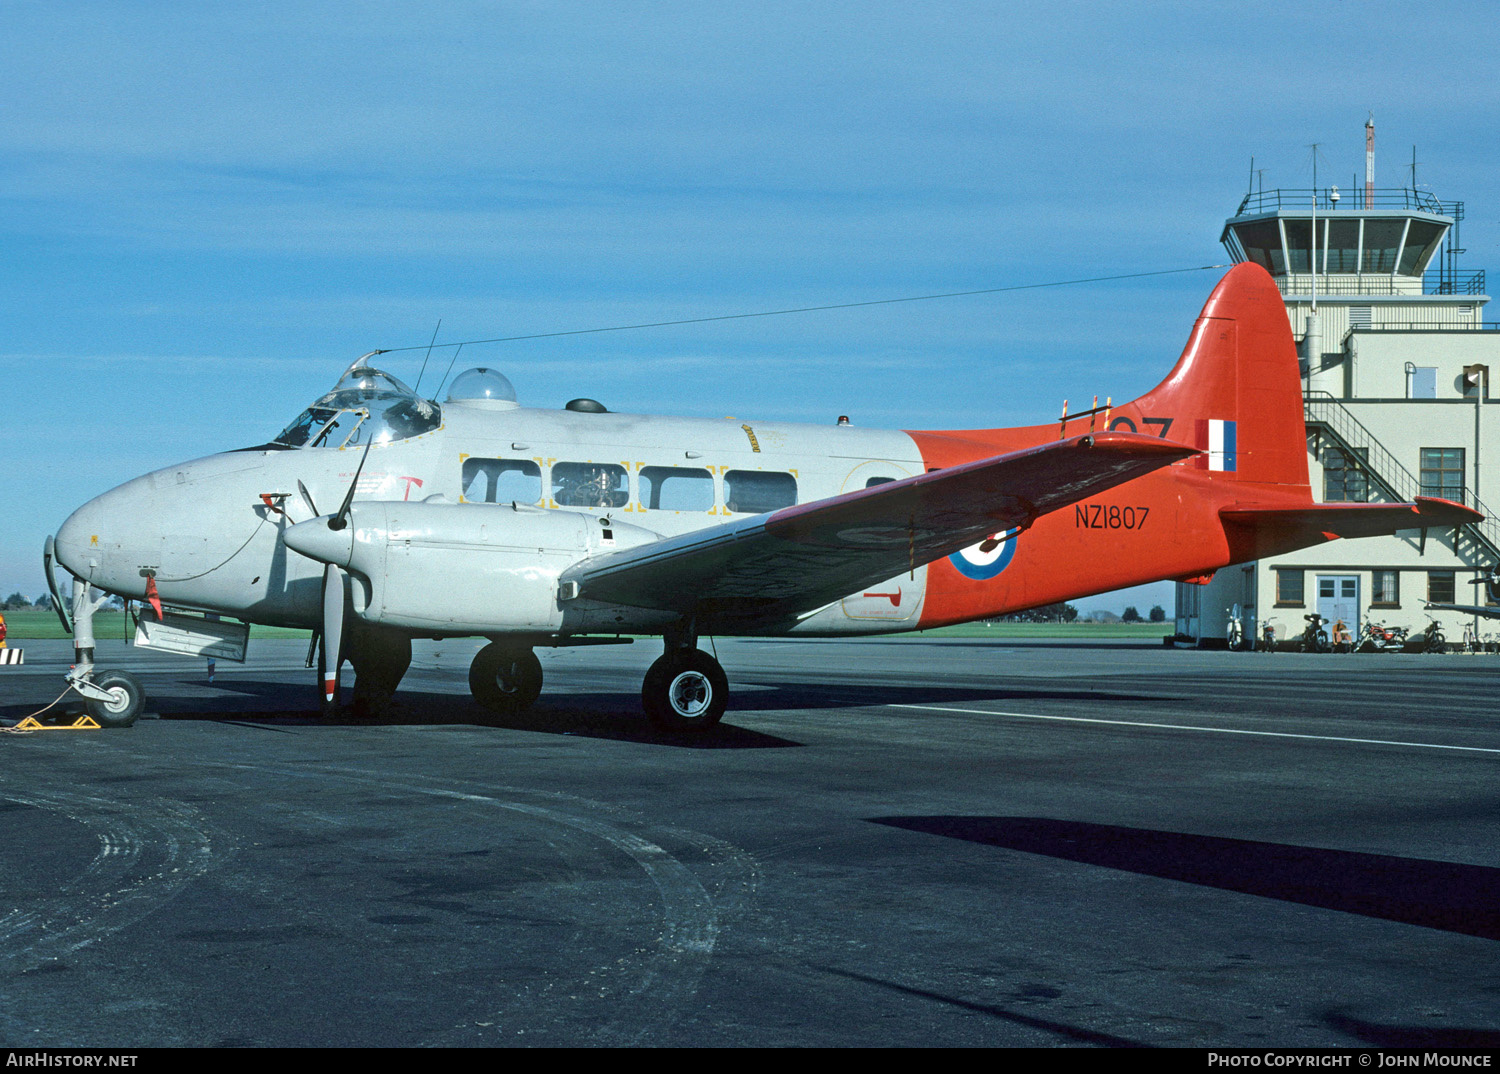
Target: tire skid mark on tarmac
(662, 979)
(149, 849)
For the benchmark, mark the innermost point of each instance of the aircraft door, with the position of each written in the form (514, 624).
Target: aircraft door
(899, 598)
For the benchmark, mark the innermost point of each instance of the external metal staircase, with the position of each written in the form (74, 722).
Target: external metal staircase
(1477, 542)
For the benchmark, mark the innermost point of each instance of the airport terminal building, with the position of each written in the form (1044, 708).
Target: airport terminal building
(1396, 359)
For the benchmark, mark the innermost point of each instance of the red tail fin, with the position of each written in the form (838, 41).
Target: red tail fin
(1235, 392)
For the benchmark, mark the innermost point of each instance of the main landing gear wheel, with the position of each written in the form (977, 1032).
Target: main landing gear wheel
(125, 699)
(685, 690)
(505, 679)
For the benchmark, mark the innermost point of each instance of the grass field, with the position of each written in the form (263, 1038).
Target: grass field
(35, 624)
(38, 625)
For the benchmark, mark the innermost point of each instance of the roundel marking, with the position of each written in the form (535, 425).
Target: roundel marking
(988, 558)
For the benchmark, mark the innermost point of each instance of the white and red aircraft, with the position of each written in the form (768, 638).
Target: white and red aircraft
(378, 517)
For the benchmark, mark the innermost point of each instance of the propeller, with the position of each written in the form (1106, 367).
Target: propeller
(335, 588)
(335, 585)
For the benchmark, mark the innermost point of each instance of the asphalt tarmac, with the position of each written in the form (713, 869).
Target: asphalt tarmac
(887, 842)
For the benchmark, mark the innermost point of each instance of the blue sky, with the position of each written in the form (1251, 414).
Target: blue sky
(210, 209)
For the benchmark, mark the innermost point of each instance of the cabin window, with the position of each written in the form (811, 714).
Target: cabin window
(590, 484)
(502, 481)
(752, 492)
(676, 488)
(878, 481)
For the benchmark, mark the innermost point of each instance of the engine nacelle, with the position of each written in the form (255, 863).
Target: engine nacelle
(461, 568)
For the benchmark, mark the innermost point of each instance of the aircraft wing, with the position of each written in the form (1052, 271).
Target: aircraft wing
(1490, 611)
(801, 558)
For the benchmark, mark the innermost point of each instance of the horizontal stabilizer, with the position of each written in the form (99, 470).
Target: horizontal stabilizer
(800, 558)
(1280, 528)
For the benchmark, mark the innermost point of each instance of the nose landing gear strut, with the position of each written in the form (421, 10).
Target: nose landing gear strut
(112, 698)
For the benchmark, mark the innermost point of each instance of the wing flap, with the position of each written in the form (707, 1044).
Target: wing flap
(799, 558)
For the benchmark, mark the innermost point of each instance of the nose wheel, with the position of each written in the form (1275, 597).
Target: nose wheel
(122, 703)
(686, 690)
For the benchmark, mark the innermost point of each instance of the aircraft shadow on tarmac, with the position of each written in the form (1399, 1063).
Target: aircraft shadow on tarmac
(1435, 894)
(601, 714)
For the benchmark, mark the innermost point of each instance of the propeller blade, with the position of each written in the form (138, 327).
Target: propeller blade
(341, 519)
(307, 499)
(334, 583)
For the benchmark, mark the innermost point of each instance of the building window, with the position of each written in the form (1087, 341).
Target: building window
(1344, 479)
(1385, 589)
(1440, 587)
(1289, 588)
(1443, 473)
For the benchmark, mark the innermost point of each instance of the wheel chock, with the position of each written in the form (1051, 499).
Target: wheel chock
(83, 723)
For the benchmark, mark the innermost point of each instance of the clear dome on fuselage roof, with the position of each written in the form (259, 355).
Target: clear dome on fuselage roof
(481, 387)
(366, 404)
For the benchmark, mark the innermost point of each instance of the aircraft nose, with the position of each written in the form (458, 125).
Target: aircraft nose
(77, 540)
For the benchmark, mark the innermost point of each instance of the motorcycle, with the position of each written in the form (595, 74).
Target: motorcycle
(1379, 638)
(1315, 637)
(1432, 638)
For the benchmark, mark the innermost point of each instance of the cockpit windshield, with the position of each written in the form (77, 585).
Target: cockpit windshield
(365, 405)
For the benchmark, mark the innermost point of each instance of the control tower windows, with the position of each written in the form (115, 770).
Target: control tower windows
(1261, 241)
(1342, 255)
(1298, 243)
(1382, 240)
(1422, 239)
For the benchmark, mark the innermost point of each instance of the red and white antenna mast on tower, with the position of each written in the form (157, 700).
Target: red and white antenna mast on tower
(1370, 162)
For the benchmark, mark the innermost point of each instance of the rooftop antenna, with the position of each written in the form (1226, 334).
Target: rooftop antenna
(1414, 168)
(1251, 188)
(1370, 162)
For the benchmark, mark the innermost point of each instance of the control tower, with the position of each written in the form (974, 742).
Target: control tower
(1396, 359)
(1383, 259)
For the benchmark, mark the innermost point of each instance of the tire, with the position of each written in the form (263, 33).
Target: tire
(685, 691)
(125, 704)
(505, 679)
